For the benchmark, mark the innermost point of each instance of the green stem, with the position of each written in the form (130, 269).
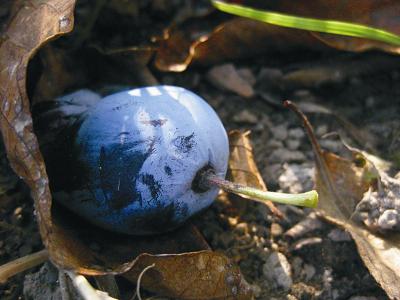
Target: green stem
(308, 199)
(318, 25)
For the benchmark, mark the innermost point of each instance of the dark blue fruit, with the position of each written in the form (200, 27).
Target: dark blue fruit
(134, 156)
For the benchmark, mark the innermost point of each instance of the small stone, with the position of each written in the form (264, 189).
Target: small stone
(296, 133)
(43, 284)
(331, 145)
(296, 178)
(338, 235)
(227, 77)
(297, 266)
(293, 144)
(276, 229)
(245, 116)
(285, 155)
(389, 219)
(241, 228)
(274, 144)
(277, 269)
(256, 290)
(306, 242)
(303, 95)
(308, 271)
(247, 75)
(270, 172)
(280, 132)
(321, 130)
(269, 75)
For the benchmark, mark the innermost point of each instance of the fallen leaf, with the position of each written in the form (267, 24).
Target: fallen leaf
(200, 275)
(228, 78)
(45, 20)
(341, 184)
(242, 167)
(236, 38)
(243, 38)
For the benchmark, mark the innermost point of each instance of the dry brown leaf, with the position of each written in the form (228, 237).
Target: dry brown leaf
(241, 38)
(200, 275)
(45, 20)
(341, 184)
(237, 38)
(242, 167)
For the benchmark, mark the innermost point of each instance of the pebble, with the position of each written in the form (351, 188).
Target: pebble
(309, 224)
(270, 174)
(296, 133)
(338, 235)
(285, 155)
(43, 284)
(308, 271)
(256, 289)
(297, 266)
(280, 132)
(321, 130)
(241, 228)
(293, 144)
(296, 178)
(274, 144)
(306, 242)
(245, 116)
(269, 74)
(227, 77)
(276, 229)
(277, 269)
(247, 75)
(331, 145)
(389, 219)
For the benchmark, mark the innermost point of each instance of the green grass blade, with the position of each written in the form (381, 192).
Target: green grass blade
(326, 26)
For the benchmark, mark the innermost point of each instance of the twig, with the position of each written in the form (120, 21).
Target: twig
(140, 279)
(85, 289)
(21, 264)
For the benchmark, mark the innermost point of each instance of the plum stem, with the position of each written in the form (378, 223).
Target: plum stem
(308, 199)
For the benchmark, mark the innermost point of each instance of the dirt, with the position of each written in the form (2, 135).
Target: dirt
(318, 262)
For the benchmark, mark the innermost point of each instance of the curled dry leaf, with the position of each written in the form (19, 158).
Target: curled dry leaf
(236, 38)
(45, 20)
(242, 167)
(341, 184)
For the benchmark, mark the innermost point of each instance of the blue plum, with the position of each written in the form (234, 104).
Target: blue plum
(135, 155)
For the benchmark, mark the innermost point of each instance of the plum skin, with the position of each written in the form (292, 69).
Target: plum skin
(136, 154)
